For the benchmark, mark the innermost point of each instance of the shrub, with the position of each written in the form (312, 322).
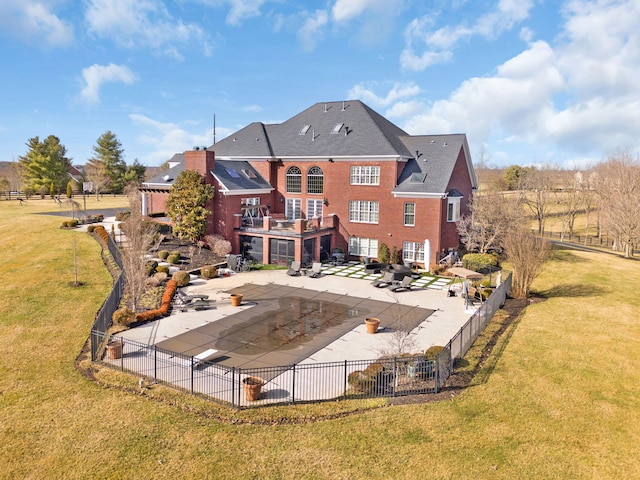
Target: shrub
(91, 228)
(181, 278)
(208, 271)
(121, 216)
(163, 254)
(383, 253)
(173, 258)
(70, 223)
(123, 316)
(151, 267)
(479, 261)
(432, 352)
(162, 269)
(218, 245)
(438, 269)
(396, 256)
(161, 276)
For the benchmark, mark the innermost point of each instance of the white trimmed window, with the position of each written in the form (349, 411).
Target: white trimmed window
(315, 180)
(364, 247)
(293, 209)
(314, 208)
(413, 251)
(294, 180)
(365, 175)
(453, 209)
(409, 214)
(363, 211)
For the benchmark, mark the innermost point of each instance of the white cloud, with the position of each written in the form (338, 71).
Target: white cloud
(35, 22)
(164, 139)
(243, 9)
(311, 29)
(135, 23)
(398, 91)
(375, 18)
(96, 75)
(252, 108)
(437, 46)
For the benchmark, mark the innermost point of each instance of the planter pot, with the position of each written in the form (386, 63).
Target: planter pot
(114, 349)
(252, 388)
(372, 324)
(236, 299)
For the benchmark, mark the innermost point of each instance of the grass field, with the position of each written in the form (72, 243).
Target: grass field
(558, 397)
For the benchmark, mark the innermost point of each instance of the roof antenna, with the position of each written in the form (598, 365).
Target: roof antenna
(214, 128)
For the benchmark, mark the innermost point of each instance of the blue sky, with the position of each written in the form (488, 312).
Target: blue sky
(529, 82)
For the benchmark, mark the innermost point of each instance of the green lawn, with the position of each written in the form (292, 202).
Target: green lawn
(558, 398)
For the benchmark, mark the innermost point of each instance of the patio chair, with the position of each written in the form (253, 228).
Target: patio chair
(294, 269)
(404, 284)
(385, 281)
(316, 270)
(184, 301)
(190, 296)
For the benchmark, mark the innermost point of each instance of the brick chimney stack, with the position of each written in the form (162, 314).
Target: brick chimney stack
(202, 161)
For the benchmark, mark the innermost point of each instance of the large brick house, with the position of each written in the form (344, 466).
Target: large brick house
(337, 174)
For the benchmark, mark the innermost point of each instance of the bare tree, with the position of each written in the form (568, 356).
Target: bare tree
(139, 232)
(618, 187)
(492, 216)
(537, 188)
(527, 254)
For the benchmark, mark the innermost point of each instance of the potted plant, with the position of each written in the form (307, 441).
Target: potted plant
(236, 299)
(252, 387)
(114, 349)
(372, 324)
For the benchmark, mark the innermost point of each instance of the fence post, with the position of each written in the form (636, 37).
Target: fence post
(192, 374)
(436, 374)
(293, 385)
(233, 387)
(345, 380)
(155, 364)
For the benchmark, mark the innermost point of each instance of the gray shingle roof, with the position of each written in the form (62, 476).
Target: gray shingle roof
(334, 130)
(238, 175)
(430, 169)
(359, 131)
(166, 178)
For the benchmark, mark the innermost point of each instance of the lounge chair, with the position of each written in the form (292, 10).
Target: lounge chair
(316, 270)
(294, 269)
(184, 301)
(191, 296)
(404, 284)
(385, 281)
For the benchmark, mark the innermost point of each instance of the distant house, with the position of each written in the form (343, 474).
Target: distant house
(337, 174)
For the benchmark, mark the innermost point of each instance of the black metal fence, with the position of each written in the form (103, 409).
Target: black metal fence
(462, 341)
(103, 318)
(303, 382)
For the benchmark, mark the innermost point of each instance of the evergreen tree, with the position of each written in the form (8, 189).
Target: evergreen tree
(186, 205)
(135, 173)
(108, 167)
(45, 164)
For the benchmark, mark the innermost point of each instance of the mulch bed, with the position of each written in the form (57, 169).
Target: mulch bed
(192, 258)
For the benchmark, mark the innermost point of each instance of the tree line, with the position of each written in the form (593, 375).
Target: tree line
(45, 169)
(512, 201)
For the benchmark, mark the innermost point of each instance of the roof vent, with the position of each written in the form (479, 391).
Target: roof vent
(166, 178)
(444, 144)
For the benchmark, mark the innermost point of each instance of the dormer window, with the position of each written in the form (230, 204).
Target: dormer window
(304, 130)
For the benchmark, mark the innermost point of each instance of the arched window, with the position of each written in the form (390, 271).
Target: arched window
(315, 180)
(294, 180)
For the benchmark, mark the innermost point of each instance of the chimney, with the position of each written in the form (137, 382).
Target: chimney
(202, 161)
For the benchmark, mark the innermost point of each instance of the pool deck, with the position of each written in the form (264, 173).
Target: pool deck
(448, 317)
